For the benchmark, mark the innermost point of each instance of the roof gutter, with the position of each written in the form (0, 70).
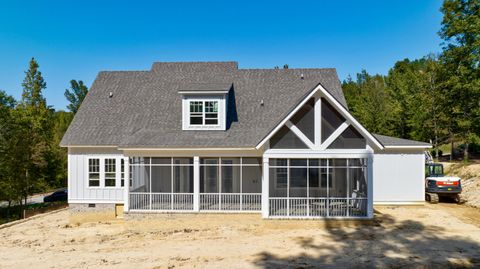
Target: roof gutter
(409, 147)
(186, 149)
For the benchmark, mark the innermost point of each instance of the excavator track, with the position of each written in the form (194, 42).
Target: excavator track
(432, 197)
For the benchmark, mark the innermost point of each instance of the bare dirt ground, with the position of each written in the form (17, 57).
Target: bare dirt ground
(470, 175)
(431, 236)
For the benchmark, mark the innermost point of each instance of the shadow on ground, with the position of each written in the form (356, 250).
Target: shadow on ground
(386, 243)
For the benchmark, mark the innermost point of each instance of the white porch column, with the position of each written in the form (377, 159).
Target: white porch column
(370, 186)
(318, 121)
(196, 183)
(265, 188)
(126, 185)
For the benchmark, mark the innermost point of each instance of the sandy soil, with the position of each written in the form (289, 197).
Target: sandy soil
(431, 236)
(470, 175)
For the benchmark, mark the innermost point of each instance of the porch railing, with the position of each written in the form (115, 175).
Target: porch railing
(230, 201)
(145, 201)
(318, 207)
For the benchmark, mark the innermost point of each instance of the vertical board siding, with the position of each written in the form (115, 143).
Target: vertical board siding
(78, 177)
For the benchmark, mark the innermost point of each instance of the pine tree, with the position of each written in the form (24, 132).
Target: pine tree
(75, 95)
(461, 57)
(33, 132)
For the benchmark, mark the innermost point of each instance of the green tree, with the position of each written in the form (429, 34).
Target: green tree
(461, 57)
(9, 189)
(75, 95)
(404, 85)
(34, 132)
(370, 102)
(431, 120)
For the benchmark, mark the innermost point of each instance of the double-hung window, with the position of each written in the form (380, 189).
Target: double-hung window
(203, 113)
(110, 173)
(94, 172)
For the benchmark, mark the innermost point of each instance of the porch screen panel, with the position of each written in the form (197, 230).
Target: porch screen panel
(230, 175)
(304, 119)
(209, 175)
(251, 179)
(278, 178)
(183, 175)
(286, 139)
(349, 139)
(339, 178)
(357, 178)
(140, 171)
(318, 178)
(331, 120)
(298, 178)
(251, 175)
(162, 179)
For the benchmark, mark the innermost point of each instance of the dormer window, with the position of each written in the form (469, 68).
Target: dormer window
(204, 106)
(203, 113)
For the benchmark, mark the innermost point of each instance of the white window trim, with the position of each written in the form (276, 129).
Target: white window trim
(221, 113)
(99, 172)
(116, 173)
(101, 159)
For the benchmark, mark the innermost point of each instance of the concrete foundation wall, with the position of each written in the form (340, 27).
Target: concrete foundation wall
(81, 213)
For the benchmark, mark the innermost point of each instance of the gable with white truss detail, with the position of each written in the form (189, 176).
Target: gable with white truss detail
(320, 123)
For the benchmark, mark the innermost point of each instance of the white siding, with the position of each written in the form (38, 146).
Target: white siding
(398, 177)
(78, 190)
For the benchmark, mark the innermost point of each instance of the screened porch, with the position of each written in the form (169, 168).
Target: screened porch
(167, 184)
(161, 184)
(318, 188)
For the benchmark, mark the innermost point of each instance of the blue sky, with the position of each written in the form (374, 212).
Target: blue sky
(76, 39)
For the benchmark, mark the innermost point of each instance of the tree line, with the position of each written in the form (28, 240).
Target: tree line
(31, 160)
(435, 98)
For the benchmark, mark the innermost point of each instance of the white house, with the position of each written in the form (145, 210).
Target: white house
(209, 137)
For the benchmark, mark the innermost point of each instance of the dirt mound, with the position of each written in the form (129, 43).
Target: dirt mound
(470, 175)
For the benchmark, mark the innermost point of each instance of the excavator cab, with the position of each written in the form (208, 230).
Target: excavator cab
(438, 185)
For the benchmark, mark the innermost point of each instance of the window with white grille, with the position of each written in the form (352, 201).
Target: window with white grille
(94, 172)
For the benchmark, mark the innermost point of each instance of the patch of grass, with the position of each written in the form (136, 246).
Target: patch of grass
(16, 212)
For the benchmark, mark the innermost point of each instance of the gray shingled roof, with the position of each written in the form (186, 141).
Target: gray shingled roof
(206, 87)
(394, 141)
(145, 109)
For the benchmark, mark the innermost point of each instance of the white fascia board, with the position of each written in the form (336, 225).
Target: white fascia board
(349, 117)
(293, 153)
(264, 140)
(408, 147)
(185, 149)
